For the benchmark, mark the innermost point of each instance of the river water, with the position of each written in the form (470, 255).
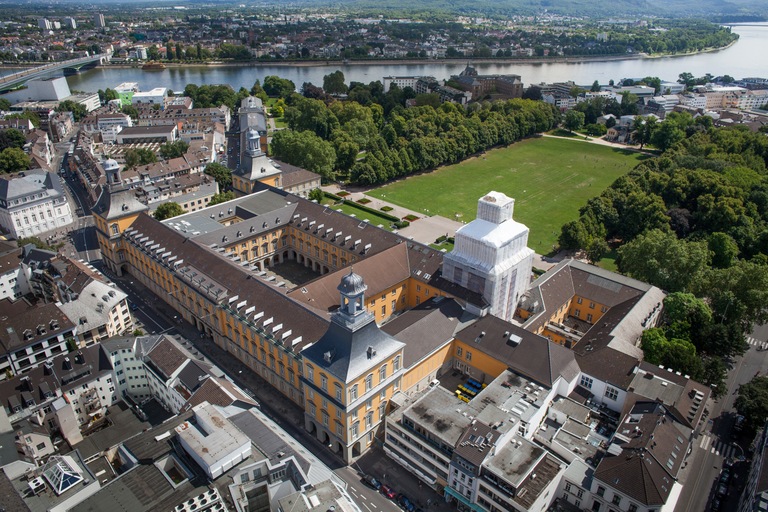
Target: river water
(740, 60)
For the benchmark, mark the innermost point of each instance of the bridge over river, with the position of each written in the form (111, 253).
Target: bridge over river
(16, 80)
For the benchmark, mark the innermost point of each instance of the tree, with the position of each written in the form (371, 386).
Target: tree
(686, 79)
(752, 402)
(12, 138)
(131, 111)
(139, 156)
(173, 149)
(574, 120)
(78, 110)
(667, 135)
(278, 87)
(27, 114)
(221, 173)
(642, 130)
(258, 91)
(21, 242)
(13, 160)
(659, 258)
(168, 210)
(5, 104)
(222, 197)
(595, 86)
(724, 249)
(333, 83)
(532, 93)
(305, 149)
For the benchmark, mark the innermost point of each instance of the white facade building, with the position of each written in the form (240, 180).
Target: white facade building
(491, 255)
(33, 203)
(48, 89)
(154, 97)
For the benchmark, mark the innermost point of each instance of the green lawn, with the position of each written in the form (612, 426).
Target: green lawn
(550, 179)
(374, 220)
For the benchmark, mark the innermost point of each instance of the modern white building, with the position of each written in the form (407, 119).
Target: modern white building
(48, 89)
(69, 23)
(98, 20)
(33, 202)
(44, 23)
(154, 97)
(491, 255)
(12, 282)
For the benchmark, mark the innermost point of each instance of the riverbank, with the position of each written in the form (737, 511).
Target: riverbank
(403, 62)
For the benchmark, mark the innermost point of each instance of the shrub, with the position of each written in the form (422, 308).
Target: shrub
(342, 194)
(386, 208)
(410, 218)
(364, 200)
(401, 224)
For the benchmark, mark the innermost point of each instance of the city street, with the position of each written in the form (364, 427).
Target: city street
(717, 442)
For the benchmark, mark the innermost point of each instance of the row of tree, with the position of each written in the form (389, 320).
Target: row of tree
(371, 145)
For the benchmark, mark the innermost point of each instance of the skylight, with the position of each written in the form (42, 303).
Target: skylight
(62, 473)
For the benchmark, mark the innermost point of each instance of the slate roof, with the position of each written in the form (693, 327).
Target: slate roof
(648, 436)
(293, 176)
(525, 353)
(349, 350)
(229, 276)
(17, 317)
(166, 357)
(117, 203)
(380, 272)
(427, 327)
(218, 391)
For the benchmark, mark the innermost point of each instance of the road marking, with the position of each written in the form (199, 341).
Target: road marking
(363, 496)
(374, 505)
(705, 440)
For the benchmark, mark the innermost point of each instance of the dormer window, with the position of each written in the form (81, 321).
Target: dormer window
(28, 334)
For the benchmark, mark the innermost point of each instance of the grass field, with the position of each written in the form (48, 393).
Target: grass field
(550, 179)
(349, 209)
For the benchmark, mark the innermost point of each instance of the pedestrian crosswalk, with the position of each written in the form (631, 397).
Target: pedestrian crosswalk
(709, 443)
(761, 345)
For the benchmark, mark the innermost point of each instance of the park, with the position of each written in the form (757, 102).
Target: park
(549, 178)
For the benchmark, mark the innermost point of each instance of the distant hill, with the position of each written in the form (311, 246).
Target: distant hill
(748, 9)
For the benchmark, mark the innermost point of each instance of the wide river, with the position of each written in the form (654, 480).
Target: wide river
(740, 60)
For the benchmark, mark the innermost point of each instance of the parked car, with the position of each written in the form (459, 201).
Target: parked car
(388, 492)
(716, 505)
(738, 425)
(722, 490)
(371, 482)
(725, 476)
(405, 503)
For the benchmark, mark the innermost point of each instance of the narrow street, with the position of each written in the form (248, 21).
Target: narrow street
(717, 442)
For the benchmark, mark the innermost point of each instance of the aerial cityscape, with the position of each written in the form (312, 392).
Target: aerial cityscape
(367, 257)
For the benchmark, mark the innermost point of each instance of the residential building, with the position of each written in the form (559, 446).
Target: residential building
(98, 20)
(12, 279)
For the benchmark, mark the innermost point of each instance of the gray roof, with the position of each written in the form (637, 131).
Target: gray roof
(30, 182)
(524, 352)
(117, 203)
(94, 305)
(427, 327)
(350, 349)
(440, 412)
